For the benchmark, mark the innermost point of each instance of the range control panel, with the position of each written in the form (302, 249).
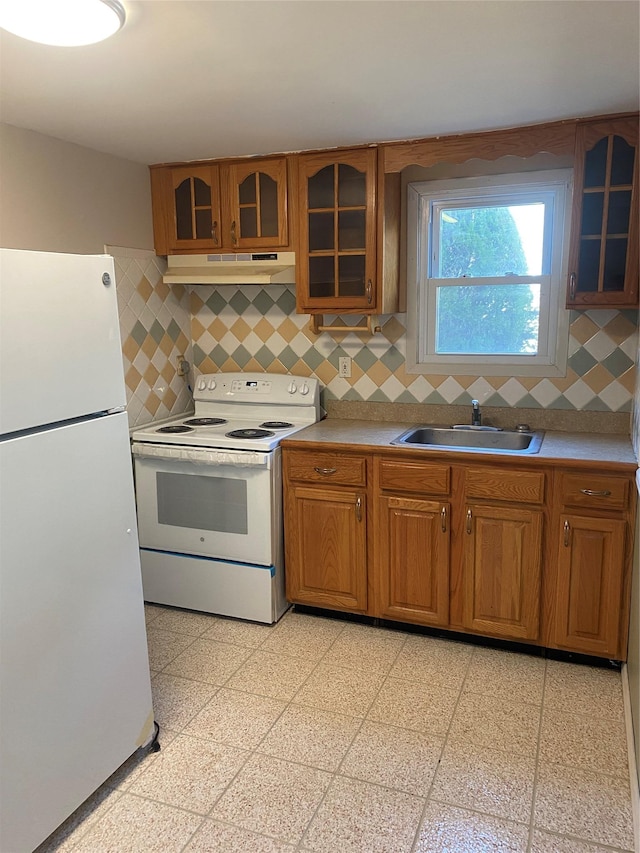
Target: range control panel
(260, 388)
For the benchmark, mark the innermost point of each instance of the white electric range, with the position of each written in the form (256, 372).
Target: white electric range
(209, 495)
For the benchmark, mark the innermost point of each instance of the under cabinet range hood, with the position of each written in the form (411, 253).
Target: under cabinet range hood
(246, 268)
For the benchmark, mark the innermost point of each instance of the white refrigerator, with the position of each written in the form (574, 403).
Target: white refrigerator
(75, 694)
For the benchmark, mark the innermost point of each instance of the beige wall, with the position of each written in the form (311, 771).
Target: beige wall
(60, 197)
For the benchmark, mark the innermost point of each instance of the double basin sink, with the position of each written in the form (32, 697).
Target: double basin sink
(481, 438)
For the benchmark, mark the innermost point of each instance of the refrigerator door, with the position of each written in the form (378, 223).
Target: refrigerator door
(76, 696)
(60, 354)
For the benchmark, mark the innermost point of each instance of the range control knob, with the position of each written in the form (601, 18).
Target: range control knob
(292, 388)
(304, 388)
(202, 384)
(212, 384)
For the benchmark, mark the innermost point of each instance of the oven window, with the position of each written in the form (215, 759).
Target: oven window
(202, 502)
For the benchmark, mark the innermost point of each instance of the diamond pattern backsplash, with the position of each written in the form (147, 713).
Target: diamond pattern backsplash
(242, 327)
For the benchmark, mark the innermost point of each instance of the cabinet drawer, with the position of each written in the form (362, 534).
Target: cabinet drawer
(597, 491)
(334, 468)
(499, 484)
(424, 478)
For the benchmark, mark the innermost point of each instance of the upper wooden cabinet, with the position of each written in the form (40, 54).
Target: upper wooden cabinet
(336, 263)
(603, 258)
(227, 207)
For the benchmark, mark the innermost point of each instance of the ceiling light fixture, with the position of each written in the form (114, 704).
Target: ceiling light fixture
(63, 23)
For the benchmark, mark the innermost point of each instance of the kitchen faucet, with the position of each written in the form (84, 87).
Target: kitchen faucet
(476, 417)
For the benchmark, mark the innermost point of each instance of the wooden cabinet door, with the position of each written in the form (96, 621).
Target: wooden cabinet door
(413, 560)
(193, 207)
(502, 564)
(255, 204)
(590, 581)
(603, 256)
(337, 251)
(326, 550)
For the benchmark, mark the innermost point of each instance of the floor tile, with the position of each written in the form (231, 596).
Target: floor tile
(274, 675)
(190, 773)
(396, 758)
(345, 691)
(176, 700)
(356, 817)
(590, 743)
(151, 613)
(208, 661)
(496, 723)
(165, 646)
(585, 804)
(413, 705)
(311, 736)
(485, 780)
(236, 718)
(431, 660)
(585, 690)
(215, 837)
(80, 822)
(544, 842)
(182, 621)
(507, 675)
(248, 634)
(446, 829)
(302, 636)
(361, 648)
(141, 825)
(273, 797)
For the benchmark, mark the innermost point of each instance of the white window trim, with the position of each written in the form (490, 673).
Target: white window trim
(554, 338)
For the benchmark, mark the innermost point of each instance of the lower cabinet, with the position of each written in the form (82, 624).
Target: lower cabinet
(590, 585)
(502, 569)
(413, 545)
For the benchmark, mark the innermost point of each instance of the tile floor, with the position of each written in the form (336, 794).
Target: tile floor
(332, 737)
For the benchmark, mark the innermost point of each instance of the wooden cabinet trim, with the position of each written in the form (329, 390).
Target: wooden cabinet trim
(327, 468)
(597, 492)
(426, 478)
(500, 485)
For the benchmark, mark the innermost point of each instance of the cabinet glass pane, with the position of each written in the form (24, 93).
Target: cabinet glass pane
(588, 265)
(182, 197)
(351, 273)
(592, 211)
(320, 231)
(321, 277)
(619, 212)
(248, 222)
(321, 192)
(268, 206)
(614, 263)
(202, 192)
(622, 162)
(351, 229)
(352, 187)
(247, 190)
(203, 224)
(595, 164)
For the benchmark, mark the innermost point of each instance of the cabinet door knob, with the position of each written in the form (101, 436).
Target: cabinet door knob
(443, 519)
(572, 285)
(596, 493)
(469, 518)
(567, 533)
(359, 508)
(325, 471)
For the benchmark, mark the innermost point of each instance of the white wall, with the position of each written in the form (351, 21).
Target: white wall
(60, 197)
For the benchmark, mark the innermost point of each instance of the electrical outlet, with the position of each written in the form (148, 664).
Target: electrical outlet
(344, 366)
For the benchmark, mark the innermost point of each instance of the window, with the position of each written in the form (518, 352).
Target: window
(485, 266)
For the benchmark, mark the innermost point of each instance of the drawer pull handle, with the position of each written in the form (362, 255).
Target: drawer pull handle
(326, 471)
(567, 533)
(214, 231)
(359, 508)
(596, 493)
(469, 517)
(443, 519)
(572, 286)
(369, 292)
(234, 238)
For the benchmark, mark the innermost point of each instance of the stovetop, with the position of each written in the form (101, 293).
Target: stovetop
(243, 411)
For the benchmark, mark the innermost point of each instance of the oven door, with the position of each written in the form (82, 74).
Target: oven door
(209, 503)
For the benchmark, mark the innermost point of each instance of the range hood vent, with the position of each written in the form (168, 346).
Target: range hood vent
(247, 268)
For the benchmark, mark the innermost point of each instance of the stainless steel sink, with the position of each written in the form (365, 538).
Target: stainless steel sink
(486, 440)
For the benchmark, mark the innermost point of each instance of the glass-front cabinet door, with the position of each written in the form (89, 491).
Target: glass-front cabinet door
(194, 209)
(336, 267)
(255, 203)
(603, 262)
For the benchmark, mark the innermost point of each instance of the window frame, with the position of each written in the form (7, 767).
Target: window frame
(426, 197)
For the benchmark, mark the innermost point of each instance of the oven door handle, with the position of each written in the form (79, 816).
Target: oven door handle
(202, 456)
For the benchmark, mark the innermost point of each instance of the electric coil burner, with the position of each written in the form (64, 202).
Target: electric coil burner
(209, 492)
